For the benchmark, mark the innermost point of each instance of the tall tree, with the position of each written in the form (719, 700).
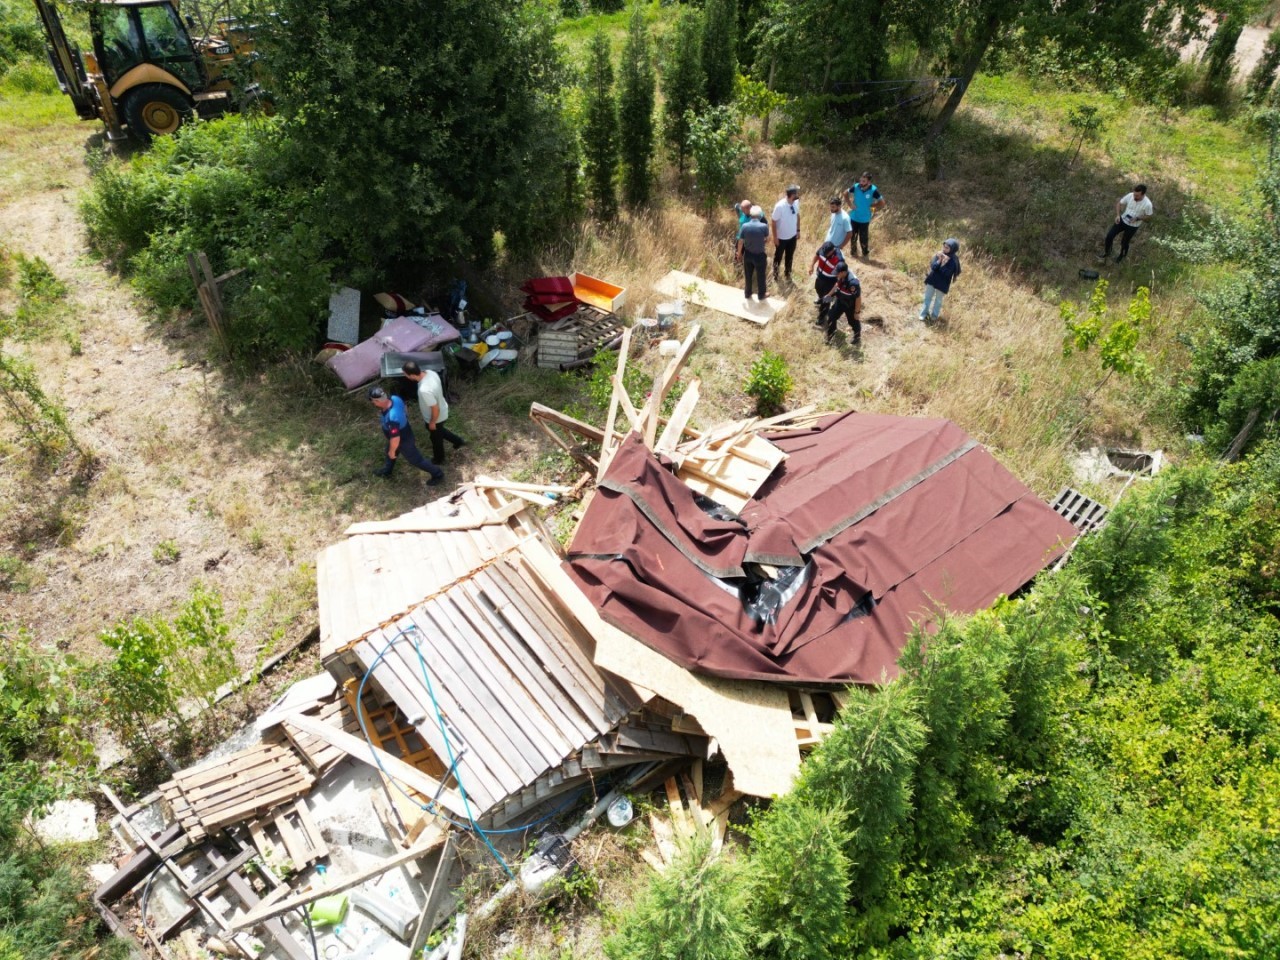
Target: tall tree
(418, 127)
(635, 109)
(600, 128)
(720, 50)
(683, 84)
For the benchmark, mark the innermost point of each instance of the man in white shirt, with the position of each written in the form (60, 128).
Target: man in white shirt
(434, 408)
(785, 226)
(1132, 211)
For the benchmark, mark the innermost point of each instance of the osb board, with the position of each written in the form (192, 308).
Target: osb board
(718, 297)
(752, 721)
(733, 480)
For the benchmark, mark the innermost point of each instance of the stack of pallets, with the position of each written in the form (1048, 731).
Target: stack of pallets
(235, 788)
(578, 336)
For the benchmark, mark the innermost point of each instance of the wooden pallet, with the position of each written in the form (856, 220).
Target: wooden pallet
(237, 787)
(299, 839)
(1081, 512)
(319, 755)
(578, 336)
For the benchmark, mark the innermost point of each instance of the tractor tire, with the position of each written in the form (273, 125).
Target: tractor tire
(154, 110)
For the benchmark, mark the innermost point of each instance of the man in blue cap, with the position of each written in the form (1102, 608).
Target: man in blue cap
(395, 427)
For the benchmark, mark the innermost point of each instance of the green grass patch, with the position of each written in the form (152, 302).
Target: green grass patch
(575, 32)
(1208, 157)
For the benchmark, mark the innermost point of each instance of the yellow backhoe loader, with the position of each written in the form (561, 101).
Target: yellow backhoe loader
(147, 74)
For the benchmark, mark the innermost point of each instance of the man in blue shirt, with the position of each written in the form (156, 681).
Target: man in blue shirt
(395, 427)
(864, 201)
(839, 230)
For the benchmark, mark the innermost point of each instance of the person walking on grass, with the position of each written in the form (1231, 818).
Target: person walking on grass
(434, 408)
(395, 427)
(827, 260)
(943, 269)
(1132, 211)
(840, 229)
(785, 225)
(752, 239)
(846, 297)
(864, 200)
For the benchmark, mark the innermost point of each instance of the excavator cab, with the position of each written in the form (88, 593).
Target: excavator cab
(146, 72)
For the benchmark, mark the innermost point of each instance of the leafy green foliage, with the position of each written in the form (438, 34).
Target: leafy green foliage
(158, 663)
(694, 911)
(600, 128)
(635, 110)
(719, 50)
(220, 187)
(719, 154)
(791, 917)
(419, 131)
(1263, 75)
(768, 382)
(683, 83)
(1117, 340)
(43, 421)
(20, 34)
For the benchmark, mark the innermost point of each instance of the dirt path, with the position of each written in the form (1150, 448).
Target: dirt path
(1248, 48)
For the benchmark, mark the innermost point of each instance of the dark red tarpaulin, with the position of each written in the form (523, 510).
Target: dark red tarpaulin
(895, 517)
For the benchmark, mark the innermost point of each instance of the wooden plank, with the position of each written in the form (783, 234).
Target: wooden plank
(810, 712)
(482, 766)
(195, 887)
(697, 815)
(436, 894)
(606, 444)
(494, 604)
(294, 844)
(674, 429)
(335, 885)
(312, 832)
(433, 524)
(628, 408)
(481, 677)
(364, 752)
(679, 818)
(482, 649)
(653, 860)
(718, 297)
(585, 690)
(274, 928)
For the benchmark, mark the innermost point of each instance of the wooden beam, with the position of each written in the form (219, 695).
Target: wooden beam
(497, 483)
(606, 444)
(392, 765)
(629, 408)
(662, 386)
(435, 524)
(674, 429)
(546, 414)
(334, 884)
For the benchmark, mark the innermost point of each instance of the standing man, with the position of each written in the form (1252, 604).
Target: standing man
(751, 251)
(434, 408)
(1132, 211)
(864, 200)
(395, 427)
(847, 294)
(840, 229)
(827, 260)
(943, 268)
(785, 225)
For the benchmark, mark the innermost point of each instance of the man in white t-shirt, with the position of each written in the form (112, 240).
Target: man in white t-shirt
(434, 408)
(785, 226)
(1132, 211)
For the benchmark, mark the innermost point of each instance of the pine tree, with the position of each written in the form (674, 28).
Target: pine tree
(719, 50)
(683, 84)
(600, 128)
(635, 108)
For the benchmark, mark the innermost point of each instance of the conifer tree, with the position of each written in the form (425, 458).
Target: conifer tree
(683, 84)
(719, 50)
(635, 108)
(600, 128)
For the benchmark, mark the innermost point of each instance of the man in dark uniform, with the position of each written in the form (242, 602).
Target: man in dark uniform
(395, 427)
(847, 300)
(827, 259)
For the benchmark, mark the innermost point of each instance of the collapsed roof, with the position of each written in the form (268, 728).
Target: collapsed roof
(870, 523)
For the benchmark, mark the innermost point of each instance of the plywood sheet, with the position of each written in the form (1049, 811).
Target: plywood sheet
(751, 720)
(718, 297)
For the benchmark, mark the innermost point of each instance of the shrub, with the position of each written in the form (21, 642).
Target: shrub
(768, 382)
(694, 911)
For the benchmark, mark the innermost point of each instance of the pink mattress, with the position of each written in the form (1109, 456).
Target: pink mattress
(363, 363)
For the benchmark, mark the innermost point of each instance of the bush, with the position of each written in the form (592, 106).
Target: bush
(694, 911)
(768, 382)
(30, 76)
(218, 187)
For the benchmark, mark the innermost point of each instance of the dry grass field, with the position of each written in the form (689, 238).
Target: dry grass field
(234, 479)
